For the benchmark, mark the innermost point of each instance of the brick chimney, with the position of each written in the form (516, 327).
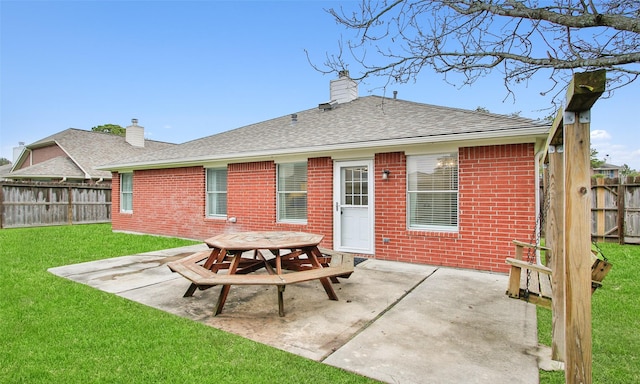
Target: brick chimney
(343, 89)
(134, 134)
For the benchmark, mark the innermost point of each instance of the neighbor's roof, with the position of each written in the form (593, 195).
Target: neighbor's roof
(58, 167)
(84, 150)
(366, 122)
(4, 170)
(608, 166)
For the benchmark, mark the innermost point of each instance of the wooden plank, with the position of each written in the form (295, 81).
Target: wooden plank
(554, 233)
(577, 276)
(539, 301)
(201, 276)
(600, 208)
(534, 282)
(526, 265)
(599, 270)
(515, 274)
(529, 245)
(555, 134)
(224, 292)
(545, 285)
(585, 88)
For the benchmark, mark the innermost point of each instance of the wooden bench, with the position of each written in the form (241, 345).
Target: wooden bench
(341, 265)
(335, 264)
(539, 290)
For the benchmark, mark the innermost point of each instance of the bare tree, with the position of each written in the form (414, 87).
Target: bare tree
(397, 39)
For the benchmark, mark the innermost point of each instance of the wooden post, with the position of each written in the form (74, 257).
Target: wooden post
(70, 206)
(555, 238)
(601, 210)
(583, 91)
(577, 251)
(621, 210)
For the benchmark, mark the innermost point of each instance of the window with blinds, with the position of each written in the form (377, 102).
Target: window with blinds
(216, 192)
(432, 190)
(126, 192)
(292, 192)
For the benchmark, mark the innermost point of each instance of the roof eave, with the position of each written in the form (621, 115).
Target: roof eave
(530, 132)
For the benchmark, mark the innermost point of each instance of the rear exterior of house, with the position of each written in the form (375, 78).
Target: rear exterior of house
(407, 182)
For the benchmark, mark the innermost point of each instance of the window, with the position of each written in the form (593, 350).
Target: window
(126, 192)
(432, 189)
(217, 192)
(292, 192)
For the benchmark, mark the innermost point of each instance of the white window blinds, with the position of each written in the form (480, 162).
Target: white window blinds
(126, 192)
(292, 192)
(432, 189)
(216, 192)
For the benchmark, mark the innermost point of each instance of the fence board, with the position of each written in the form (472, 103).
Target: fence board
(41, 204)
(632, 212)
(615, 210)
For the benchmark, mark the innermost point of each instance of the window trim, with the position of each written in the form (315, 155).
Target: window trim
(208, 193)
(123, 192)
(281, 193)
(433, 227)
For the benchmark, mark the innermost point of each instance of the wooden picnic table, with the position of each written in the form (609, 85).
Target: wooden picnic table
(288, 257)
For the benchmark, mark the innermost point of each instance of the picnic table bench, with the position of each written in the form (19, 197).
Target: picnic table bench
(288, 257)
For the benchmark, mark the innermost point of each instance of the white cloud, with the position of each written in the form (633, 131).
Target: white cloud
(600, 134)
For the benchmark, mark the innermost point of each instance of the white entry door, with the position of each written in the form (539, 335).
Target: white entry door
(353, 206)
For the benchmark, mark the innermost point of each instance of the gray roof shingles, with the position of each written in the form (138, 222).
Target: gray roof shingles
(366, 119)
(58, 167)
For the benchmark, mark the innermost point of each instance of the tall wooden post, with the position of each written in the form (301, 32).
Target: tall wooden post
(554, 235)
(583, 91)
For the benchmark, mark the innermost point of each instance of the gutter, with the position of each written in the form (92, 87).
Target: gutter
(19, 159)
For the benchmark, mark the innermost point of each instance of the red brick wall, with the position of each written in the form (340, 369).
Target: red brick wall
(165, 202)
(40, 155)
(320, 198)
(172, 202)
(496, 204)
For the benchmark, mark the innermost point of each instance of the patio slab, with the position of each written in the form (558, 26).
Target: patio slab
(395, 322)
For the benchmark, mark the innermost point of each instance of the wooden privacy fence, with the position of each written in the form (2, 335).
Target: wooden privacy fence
(615, 210)
(40, 204)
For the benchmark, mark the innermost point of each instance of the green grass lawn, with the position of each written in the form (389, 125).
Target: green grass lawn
(615, 312)
(53, 330)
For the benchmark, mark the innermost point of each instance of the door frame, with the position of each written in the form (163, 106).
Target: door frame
(337, 197)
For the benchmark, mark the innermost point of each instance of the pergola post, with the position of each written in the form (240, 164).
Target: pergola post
(584, 90)
(554, 234)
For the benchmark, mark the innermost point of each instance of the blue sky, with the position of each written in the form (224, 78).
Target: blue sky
(189, 69)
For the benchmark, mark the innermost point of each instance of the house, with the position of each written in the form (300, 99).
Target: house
(382, 177)
(4, 171)
(606, 170)
(72, 155)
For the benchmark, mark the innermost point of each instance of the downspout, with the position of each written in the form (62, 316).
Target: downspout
(99, 180)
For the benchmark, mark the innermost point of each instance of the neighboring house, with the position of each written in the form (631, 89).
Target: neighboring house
(73, 154)
(4, 171)
(389, 178)
(607, 170)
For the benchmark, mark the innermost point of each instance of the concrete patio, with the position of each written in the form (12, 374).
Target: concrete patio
(394, 322)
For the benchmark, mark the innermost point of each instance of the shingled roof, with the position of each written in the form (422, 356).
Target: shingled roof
(366, 122)
(84, 150)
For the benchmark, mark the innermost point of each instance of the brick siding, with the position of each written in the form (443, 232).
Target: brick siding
(496, 205)
(40, 155)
